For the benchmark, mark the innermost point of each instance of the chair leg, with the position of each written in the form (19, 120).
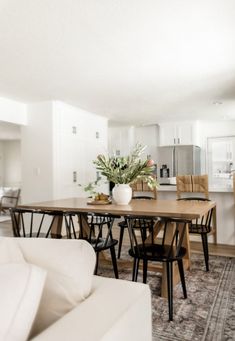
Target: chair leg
(170, 289)
(181, 271)
(145, 267)
(205, 249)
(120, 241)
(114, 261)
(97, 263)
(135, 269)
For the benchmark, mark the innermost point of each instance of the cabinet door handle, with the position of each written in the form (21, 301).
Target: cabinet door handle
(178, 140)
(74, 176)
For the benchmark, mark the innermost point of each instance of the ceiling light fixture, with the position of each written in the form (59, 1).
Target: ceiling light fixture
(217, 102)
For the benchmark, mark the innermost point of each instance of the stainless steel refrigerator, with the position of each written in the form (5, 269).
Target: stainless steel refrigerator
(177, 160)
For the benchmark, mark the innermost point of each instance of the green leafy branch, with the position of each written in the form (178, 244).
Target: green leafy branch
(127, 170)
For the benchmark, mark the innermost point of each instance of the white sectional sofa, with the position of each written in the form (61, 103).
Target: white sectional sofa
(74, 304)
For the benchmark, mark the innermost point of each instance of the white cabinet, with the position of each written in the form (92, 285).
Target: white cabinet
(79, 137)
(121, 140)
(178, 133)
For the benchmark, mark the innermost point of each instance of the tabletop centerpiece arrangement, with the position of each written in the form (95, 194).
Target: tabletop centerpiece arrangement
(126, 170)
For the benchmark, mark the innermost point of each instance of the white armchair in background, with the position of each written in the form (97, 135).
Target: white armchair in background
(9, 197)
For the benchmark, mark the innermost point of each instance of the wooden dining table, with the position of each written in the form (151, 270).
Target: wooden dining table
(149, 208)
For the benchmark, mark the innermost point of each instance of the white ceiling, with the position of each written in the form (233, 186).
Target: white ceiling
(141, 61)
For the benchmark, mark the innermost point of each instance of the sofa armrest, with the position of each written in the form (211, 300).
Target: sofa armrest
(116, 310)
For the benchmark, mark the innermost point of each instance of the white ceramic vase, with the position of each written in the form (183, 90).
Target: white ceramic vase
(122, 194)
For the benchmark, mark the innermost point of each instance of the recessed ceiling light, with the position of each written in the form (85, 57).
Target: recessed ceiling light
(217, 102)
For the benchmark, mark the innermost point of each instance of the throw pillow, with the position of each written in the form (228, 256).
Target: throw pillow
(70, 266)
(21, 288)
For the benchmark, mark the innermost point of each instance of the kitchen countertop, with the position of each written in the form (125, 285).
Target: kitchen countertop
(172, 188)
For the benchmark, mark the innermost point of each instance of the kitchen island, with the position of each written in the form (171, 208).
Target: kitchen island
(225, 206)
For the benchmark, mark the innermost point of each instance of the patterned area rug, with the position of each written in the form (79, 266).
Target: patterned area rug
(208, 314)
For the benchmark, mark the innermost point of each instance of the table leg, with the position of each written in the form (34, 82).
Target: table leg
(214, 225)
(84, 226)
(186, 244)
(57, 226)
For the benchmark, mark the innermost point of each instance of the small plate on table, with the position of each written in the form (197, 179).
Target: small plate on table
(99, 202)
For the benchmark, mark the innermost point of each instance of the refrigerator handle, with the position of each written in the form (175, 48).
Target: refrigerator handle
(173, 162)
(176, 162)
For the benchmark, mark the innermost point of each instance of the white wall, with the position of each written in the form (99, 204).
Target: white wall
(11, 168)
(13, 111)
(37, 154)
(10, 131)
(1, 163)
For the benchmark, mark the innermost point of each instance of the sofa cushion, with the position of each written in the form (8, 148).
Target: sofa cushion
(116, 310)
(21, 287)
(10, 251)
(70, 266)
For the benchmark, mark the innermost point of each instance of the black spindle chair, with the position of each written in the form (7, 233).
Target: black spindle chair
(203, 227)
(123, 224)
(32, 223)
(98, 234)
(167, 249)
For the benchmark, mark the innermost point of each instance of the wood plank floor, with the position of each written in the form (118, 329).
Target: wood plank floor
(219, 249)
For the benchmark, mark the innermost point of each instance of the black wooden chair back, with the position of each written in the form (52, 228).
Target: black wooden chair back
(204, 224)
(145, 245)
(100, 234)
(32, 223)
(123, 224)
(97, 230)
(203, 227)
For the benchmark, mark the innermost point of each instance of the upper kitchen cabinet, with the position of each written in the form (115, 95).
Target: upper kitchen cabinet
(120, 140)
(178, 133)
